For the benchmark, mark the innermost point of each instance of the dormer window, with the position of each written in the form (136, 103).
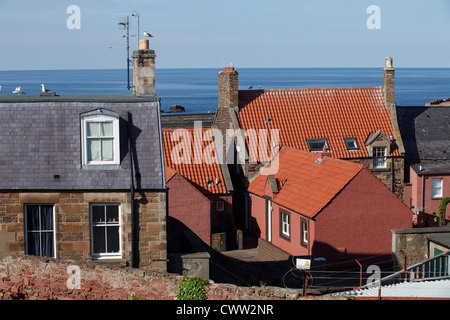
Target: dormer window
(100, 138)
(351, 144)
(379, 157)
(316, 145)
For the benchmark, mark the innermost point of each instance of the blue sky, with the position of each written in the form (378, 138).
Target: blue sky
(213, 34)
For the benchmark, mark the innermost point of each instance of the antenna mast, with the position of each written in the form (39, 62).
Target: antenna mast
(126, 25)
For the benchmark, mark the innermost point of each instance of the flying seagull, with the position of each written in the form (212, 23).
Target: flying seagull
(146, 34)
(44, 89)
(18, 91)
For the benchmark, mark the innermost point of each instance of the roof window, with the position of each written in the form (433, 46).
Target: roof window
(351, 144)
(316, 145)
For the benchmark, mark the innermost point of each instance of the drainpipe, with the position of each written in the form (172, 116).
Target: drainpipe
(392, 174)
(134, 254)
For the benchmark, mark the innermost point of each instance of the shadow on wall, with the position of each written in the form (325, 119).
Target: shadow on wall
(345, 273)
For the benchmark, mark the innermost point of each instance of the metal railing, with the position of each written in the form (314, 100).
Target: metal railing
(437, 267)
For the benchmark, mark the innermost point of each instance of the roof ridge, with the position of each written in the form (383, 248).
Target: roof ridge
(328, 158)
(312, 89)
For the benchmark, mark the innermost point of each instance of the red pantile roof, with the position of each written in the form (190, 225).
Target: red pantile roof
(197, 173)
(306, 186)
(331, 113)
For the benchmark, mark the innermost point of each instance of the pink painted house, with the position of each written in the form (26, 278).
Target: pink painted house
(200, 194)
(320, 206)
(426, 134)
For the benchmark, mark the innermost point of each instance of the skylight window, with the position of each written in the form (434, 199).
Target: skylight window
(315, 145)
(351, 144)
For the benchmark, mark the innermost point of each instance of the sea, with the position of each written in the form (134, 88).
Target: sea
(196, 89)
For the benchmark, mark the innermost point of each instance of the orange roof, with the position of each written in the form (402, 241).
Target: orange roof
(331, 113)
(306, 186)
(193, 167)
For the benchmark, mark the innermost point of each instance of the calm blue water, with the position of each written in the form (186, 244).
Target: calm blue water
(196, 89)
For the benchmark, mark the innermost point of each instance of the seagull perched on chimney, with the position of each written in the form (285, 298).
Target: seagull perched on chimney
(18, 90)
(44, 89)
(146, 34)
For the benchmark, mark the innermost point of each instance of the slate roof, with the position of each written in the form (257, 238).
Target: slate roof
(306, 185)
(40, 137)
(331, 113)
(196, 173)
(425, 132)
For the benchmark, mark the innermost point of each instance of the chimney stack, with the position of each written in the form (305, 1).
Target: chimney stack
(144, 70)
(228, 88)
(389, 83)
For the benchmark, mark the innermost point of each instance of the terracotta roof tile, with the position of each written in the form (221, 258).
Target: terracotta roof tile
(197, 173)
(331, 113)
(305, 185)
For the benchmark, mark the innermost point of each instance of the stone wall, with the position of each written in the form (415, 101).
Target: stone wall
(415, 244)
(385, 174)
(33, 278)
(72, 224)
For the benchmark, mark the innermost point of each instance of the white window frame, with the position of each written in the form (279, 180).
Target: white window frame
(106, 224)
(379, 158)
(436, 191)
(100, 116)
(40, 231)
(304, 232)
(285, 224)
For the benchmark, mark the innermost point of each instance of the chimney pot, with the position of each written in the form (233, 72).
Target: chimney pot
(143, 44)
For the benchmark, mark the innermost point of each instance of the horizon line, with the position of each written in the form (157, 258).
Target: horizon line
(217, 68)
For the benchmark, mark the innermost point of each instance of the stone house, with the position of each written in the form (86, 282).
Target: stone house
(357, 124)
(82, 177)
(322, 207)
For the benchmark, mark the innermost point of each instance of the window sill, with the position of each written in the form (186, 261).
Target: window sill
(114, 258)
(100, 167)
(381, 169)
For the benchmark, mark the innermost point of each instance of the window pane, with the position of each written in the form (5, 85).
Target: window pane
(32, 217)
(112, 239)
(46, 217)
(33, 243)
(107, 149)
(112, 214)
(47, 244)
(436, 188)
(98, 214)
(93, 149)
(98, 237)
(93, 129)
(107, 129)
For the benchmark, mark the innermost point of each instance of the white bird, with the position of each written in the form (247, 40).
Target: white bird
(146, 34)
(0, 89)
(18, 90)
(44, 89)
